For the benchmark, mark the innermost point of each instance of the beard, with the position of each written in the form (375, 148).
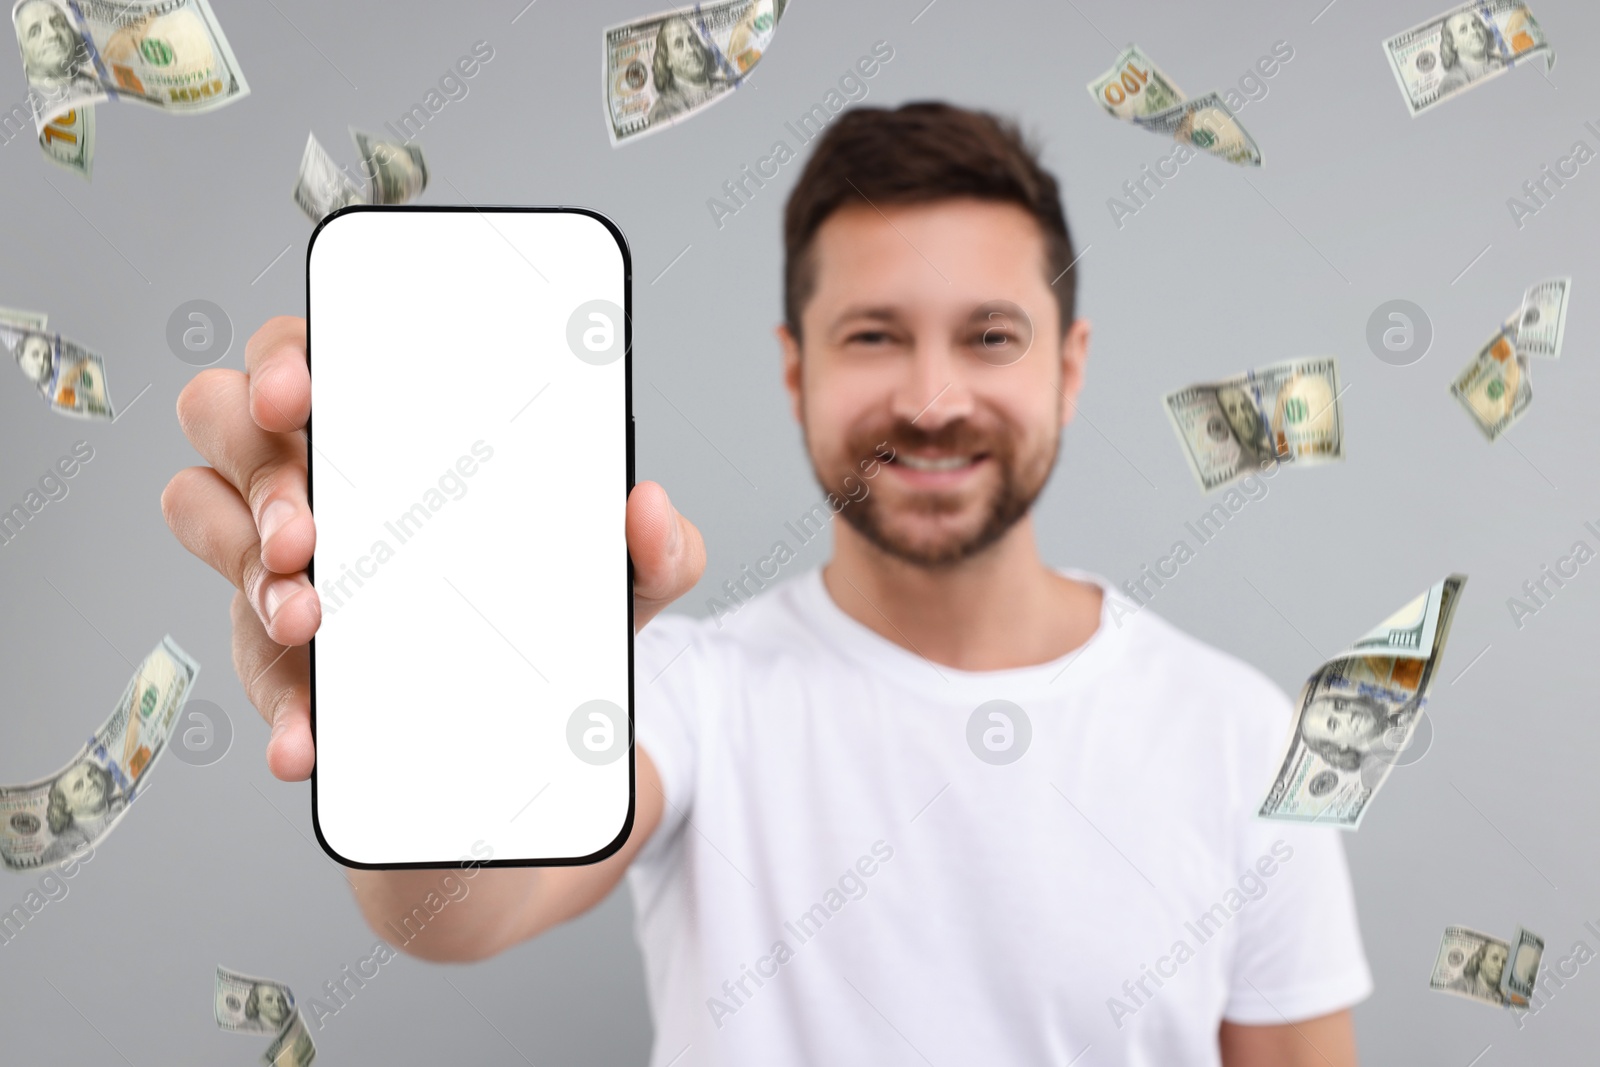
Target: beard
(1021, 478)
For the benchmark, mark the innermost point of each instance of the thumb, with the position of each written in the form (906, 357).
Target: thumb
(667, 550)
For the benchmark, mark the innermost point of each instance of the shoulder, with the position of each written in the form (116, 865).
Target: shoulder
(1197, 676)
(759, 627)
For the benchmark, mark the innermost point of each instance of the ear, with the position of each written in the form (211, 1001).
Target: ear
(1074, 354)
(792, 369)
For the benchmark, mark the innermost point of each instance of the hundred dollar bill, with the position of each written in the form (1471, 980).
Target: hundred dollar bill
(1206, 123)
(49, 822)
(1287, 412)
(662, 69)
(246, 1005)
(1135, 87)
(68, 140)
(292, 1048)
(1470, 965)
(396, 173)
(1357, 713)
(321, 187)
(169, 54)
(1540, 325)
(1137, 91)
(31, 320)
(1495, 387)
(70, 377)
(1464, 47)
(1522, 969)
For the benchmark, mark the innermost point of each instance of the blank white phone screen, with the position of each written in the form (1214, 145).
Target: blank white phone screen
(472, 692)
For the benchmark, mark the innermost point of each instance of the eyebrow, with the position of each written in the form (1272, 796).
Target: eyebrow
(873, 313)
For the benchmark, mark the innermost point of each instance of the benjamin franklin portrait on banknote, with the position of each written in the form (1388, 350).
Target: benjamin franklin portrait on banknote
(33, 354)
(53, 54)
(1248, 427)
(1467, 51)
(81, 802)
(1351, 731)
(685, 71)
(1480, 978)
(269, 1003)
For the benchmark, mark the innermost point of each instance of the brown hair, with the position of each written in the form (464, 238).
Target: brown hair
(914, 154)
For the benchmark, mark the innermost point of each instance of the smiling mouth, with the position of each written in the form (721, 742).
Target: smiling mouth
(937, 464)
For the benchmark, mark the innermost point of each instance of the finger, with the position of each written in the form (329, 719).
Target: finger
(277, 679)
(280, 378)
(667, 550)
(268, 469)
(209, 519)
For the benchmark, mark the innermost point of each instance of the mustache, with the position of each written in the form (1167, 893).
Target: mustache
(958, 436)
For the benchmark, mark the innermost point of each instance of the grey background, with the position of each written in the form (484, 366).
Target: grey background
(1224, 269)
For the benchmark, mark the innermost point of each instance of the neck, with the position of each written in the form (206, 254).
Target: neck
(1001, 609)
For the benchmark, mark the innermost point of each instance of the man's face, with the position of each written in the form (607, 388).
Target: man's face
(686, 56)
(902, 346)
(1343, 722)
(1241, 413)
(34, 358)
(272, 1004)
(84, 790)
(48, 43)
(1494, 962)
(1468, 35)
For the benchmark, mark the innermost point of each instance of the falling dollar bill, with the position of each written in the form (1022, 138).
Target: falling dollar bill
(1470, 965)
(1540, 325)
(396, 173)
(246, 1005)
(168, 54)
(1495, 387)
(1287, 412)
(1357, 713)
(662, 69)
(321, 187)
(70, 377)
(1138, 91)
(1466, 46)
(1135, 87)
(68, 140)
(51, 821)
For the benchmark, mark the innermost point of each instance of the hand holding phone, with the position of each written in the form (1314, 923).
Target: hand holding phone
(247, 516)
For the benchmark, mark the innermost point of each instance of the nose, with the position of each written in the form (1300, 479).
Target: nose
(934, 390)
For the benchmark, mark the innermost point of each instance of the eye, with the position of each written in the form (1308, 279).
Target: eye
(868, 337)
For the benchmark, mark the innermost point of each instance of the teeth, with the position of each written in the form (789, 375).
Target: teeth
(946, 463)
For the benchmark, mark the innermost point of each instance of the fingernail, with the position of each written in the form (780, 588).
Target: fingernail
(272, 519)
(279, 590)
(675, 540)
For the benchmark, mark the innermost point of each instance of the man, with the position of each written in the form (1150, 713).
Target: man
(269, 1003)
(52, 52)
(1347, 729)
(825, 868)
(685, 71)
(1239, 407)
(81, 803)
(1480, 978)
(36, 358)
(1466, 51)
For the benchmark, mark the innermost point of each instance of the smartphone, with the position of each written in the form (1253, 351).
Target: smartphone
(470, 457)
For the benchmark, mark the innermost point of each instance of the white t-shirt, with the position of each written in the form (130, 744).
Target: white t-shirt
(839, 877)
